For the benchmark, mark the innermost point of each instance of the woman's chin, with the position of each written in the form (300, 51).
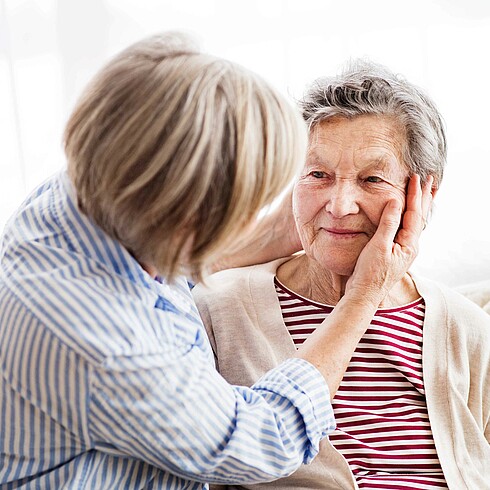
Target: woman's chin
(340, 267)
(346, 270)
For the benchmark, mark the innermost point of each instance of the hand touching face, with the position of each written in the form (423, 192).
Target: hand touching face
(353, 168)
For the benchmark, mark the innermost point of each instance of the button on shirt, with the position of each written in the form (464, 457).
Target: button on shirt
(107, 378)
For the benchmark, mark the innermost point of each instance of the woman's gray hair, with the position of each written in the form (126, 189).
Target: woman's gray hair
(365, 88)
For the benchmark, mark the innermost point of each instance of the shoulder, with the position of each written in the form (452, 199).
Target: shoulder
(231, 283)
(477, 292)
(449, 306)
(101, 315)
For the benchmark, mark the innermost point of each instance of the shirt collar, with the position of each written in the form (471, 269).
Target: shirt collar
(87, 238)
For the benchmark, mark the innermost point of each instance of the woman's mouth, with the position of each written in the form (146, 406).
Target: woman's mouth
(343, 232)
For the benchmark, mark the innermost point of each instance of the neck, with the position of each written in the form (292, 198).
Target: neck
(307, 278)
(150, 269)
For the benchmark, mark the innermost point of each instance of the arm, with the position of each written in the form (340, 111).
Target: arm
(174, 411)
(382, 263)
(270, 238)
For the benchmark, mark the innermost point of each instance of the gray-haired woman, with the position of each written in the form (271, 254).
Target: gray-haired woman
(107, 377)
(413, 408)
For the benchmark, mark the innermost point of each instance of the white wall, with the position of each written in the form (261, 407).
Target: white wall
(50, 48)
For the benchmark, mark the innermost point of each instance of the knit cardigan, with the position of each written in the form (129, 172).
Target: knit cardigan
(243, 318)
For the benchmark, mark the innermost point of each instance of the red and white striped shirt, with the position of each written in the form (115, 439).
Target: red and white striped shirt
(383, 427)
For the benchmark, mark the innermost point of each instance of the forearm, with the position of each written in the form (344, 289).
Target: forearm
(331, 346)
(239, 434)
(270, 238)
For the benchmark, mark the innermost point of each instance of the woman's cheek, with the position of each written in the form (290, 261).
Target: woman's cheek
(295, 207)
(380, 201)
(400, 196)
(303, 203)
(305, 209)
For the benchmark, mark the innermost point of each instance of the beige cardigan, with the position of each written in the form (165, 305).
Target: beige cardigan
(243, 318)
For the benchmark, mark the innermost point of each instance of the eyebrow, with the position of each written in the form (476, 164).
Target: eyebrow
(380, 163)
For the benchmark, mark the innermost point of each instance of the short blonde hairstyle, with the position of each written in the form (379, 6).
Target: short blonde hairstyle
(170, 149)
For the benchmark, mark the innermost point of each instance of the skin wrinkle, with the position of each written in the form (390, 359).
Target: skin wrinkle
(336, 191)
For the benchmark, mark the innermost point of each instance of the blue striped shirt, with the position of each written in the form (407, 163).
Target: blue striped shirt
(107, 378)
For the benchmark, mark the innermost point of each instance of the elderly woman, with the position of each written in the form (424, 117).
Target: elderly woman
(413, 408)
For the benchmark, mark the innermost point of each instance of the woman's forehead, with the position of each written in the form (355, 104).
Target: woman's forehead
(363, 126)
(376, 141)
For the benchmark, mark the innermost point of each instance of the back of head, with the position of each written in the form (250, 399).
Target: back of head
(367, 88)
(172, 151)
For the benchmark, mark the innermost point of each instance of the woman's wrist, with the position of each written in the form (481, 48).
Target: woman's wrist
(365, 299)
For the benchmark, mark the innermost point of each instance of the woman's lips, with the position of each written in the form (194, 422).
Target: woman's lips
(343, 233)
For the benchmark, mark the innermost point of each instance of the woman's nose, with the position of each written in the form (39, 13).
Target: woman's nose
(342, 199)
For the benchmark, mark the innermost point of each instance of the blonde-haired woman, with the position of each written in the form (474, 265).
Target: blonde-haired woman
(107, 376)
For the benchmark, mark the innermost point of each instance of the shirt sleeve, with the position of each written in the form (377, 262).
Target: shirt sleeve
(183, 417)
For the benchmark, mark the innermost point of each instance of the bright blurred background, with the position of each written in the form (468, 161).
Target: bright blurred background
(49, 49)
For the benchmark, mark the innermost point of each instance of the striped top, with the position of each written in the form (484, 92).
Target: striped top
(383, 428)
(107, 379)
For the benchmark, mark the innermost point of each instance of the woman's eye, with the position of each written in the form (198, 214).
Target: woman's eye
(373, 179)
(318, 174)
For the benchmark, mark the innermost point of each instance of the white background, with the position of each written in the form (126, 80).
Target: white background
(50, 48)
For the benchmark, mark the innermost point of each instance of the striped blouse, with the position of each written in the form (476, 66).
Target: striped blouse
(107, 379)
(383, 428)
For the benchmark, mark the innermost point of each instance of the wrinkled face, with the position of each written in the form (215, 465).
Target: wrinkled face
(353, 168)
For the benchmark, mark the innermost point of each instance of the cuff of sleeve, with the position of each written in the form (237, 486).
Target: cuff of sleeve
(303, 385)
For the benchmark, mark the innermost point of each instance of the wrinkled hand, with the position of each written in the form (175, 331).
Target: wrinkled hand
(391, 251)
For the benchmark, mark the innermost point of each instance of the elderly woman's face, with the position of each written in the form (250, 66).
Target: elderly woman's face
(353, 168)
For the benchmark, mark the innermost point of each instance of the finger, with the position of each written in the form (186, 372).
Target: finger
(389, 224)
(427, 197)
(419, 202)
(413, 218)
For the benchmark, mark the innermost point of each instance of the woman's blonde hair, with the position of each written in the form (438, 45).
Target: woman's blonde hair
(170, 149)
